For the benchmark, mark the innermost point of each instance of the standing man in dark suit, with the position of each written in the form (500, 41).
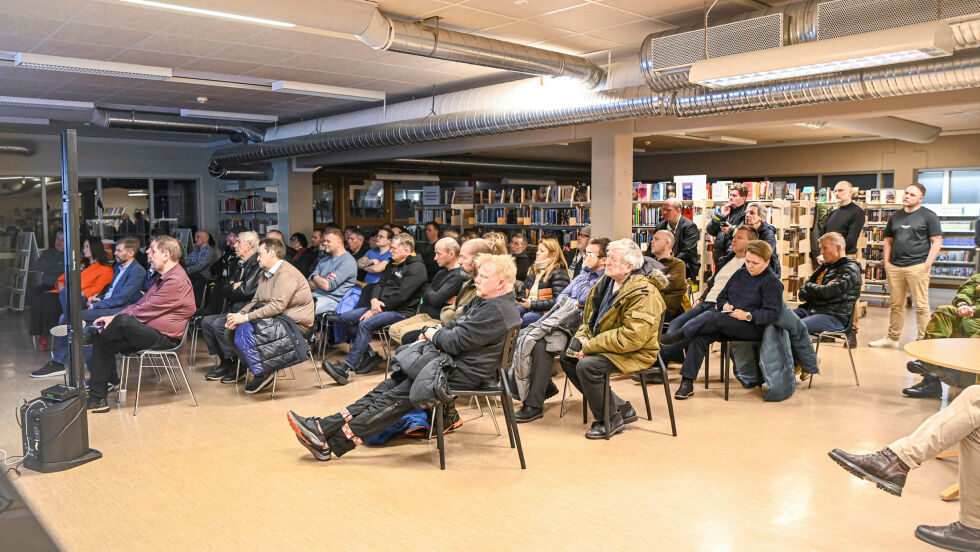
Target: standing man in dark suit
(686, 236)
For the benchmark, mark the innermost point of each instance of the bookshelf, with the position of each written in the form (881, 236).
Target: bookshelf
(871, 247)
(255, 209)
(458, 216)
(535, 211)
(957, 260)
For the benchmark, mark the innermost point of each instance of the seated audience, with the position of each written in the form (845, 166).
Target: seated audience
(46, 308)
(751, 300)
(124, 290)
(443, 290)
(544, 282)
(277, 235)
(575, 257)
(334, 274)
(497, 241)
(541, 362)
(830, 293)
(282, 291)
(474, 341)
(51, 264)
(686, 236)
(394, 298)
(661, 247)
(469, 235)
(199, 263)
(221, 270)
(518, 250)
(304, 256)
(956, 425)
(468, 255)
(238, 290)
(450, 233)
(358, 247)
(755, 216)
(155, 321)
(960, 319)
(618, 333)
(374, 262)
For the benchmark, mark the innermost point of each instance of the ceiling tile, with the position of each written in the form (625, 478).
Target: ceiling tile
(21, 25)
(315, 77)
(579, 44)
(646, 8)
(180, 45)
(252, 54)
(695, 17)
(631, 33)
(158, 59)
(394, 87)
(528, 8)
(61, 10)
(410, 9)
(524, 32)
(99, 34)
(14, 43)
(53, 47)
(330, 64)
(135, 18)
(468, 19)
(220, 66)
(298, 41)
(195, 26)
(585, 18)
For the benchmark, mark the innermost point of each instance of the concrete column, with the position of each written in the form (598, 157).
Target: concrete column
(295, 198)
(612, 181)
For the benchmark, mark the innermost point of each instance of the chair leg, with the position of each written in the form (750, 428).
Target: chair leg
(187, 383)
(646, 396)
(123, 381)
(171, 375)
(564, 395)
(726, 368)
(605, 406)
(440, 443)
(508, 407)
(493, 415)
(316, 370)
(853, 368)
(670, 404)
(707, 365)
(139, 382)
(508, 418)
(585, 409)
(238, 370)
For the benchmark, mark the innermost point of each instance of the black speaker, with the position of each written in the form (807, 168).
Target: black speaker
(55, 434)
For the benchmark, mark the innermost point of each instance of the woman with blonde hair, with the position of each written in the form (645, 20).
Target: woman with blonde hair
(545, 280)
(498, 243)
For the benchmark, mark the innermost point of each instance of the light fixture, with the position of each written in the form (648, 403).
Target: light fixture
(92, 67)
(407, 177)
(24, 121)
(227, 115)
(717, 138)
(137, 193)
(44, 104)
(526, 182)
(887, 47)
(212, 13)
(307, 89)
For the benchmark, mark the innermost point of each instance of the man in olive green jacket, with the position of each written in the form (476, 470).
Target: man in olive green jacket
(619, 331)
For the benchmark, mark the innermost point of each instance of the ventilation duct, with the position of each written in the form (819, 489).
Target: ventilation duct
(252, 172)
(20, 148)
(488, 164)
(146, 121)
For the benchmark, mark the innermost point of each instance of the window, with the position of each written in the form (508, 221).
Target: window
(323, 204)
(964, 186)
(933, 181)
(407, 195)
(367, 200)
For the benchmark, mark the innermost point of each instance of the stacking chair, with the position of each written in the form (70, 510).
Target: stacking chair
(289, 369)
(835, 336)
(726, 361)
(156, 359)
(496, 389)
(658, 367)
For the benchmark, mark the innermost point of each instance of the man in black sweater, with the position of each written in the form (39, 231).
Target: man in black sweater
(727, 220)
(443, 289)
(473, 341)
(394, 298)
(686, 236)
(847, 219)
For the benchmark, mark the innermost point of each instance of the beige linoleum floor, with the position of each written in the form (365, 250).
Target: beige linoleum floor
(741, 475)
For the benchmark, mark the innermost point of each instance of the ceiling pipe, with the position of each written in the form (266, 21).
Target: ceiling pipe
(146, 121)
(17, 148)
(251, 172)
(488, 164)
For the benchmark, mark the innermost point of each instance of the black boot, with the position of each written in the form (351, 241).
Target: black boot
(220, 370)
(929, 388)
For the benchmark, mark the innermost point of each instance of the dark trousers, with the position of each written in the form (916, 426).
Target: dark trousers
(381, 407)
(707, 328)
(45, 312)
(124, 335)
(220, 340)
(542, 364)
(588, 376)
(681, 319)
(35, 291)
(199, 282)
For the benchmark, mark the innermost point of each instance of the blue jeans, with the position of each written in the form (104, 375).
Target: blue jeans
(529, 317)
(362, 331)
(816, 323)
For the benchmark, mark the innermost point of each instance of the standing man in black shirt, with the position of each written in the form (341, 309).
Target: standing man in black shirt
(847, 220)
(913, 238)
(727, 220)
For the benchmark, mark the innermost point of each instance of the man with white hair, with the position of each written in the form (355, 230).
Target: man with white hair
(473, 341)
(619, 332)
(686, 236)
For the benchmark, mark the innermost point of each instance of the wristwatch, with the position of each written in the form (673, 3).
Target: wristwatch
(748, 317)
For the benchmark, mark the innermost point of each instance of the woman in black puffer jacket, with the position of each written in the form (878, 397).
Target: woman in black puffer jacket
(545, 281)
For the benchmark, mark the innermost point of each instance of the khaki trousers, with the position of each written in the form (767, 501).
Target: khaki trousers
(901, 281)
(398, 329)
(957, 423)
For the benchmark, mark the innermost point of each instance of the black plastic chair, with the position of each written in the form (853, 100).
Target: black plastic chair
(835, 336)
(726, 361)
(495, 389)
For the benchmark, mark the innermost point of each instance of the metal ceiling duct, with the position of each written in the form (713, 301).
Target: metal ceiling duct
(489, 164)
(17, 148)
(385, 33)
(146, 121)
(251, 172)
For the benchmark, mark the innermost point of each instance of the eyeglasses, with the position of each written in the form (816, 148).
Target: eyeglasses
(591, 254)
(291, 240)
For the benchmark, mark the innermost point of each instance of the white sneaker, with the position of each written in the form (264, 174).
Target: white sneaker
(61, 330)
(885, 342)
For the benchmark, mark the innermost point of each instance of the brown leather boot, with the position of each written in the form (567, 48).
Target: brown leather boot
(954, 536)
(882, 468)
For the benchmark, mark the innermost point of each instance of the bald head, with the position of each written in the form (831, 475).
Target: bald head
(447, 253)
(843, 191)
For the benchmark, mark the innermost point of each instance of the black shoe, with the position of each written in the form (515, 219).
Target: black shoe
(220, 370)
(916, 367)
(598, 430)
(451, 421)
(369, 361)
(685, 390)
(259, 383)
(307, 430)
(653, 378)
(954, 536)
(882, 468)
(627, 413)
(852, 339)
(320, 454)
(672, 338)
(336, 371)
(95, 405)
(552, 390)
(528, 414)
(49, 370)
(929, 388)
(235, 373)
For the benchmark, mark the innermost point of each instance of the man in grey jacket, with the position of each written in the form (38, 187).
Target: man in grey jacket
(473, 341)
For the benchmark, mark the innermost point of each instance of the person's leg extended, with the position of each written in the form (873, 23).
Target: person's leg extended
(942, 430)
(542, 365)
(942, 323)
(679, 321)
(816, 323)
(123, 335)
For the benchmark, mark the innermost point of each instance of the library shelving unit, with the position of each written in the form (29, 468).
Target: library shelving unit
(254, 208)
(458, 216)
(535, 211)
(957, 259)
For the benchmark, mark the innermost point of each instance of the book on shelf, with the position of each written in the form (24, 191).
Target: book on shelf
(952, 271)
(962, 256)
(719, 190)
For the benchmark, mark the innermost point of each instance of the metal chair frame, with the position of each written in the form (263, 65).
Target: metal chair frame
(147, 356)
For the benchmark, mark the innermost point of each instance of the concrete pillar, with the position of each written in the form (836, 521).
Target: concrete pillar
(295, 198)
(612, 181)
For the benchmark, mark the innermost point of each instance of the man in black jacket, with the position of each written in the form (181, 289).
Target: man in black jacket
(686, 236)
(830, 292)
(238, 289)
(394, 298)
(727, 219)
(444, 288)
(473, 340)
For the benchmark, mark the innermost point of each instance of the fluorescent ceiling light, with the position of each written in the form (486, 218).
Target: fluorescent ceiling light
(898, 45)
(326, 91)
(92, 67)
(137, 193)
(212, 13)
(226, 115)
(44, 104)
(407, 177)
(24, 121)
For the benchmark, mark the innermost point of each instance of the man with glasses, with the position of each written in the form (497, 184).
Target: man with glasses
(374, 262)
(686, 236)
(576, 256)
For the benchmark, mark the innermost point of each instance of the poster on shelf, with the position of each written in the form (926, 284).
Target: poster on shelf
(430, 195)
(464, 194)
(692, 186)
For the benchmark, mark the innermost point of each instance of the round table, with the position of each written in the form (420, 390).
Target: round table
(960, 353)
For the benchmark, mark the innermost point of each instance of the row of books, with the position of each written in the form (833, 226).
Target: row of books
(952, 271)
(958, 242)
(242, 204)
(645, 216)
(541, 194)
(876, 272)
(956, 256)
(718, 191)
(884, 195)
(258, 225)
(874, 233)
(878, 215)
(874, 253)
(561, 216)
